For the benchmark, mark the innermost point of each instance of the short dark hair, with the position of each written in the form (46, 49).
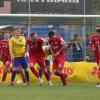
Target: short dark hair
(33, 33)
(51, 33)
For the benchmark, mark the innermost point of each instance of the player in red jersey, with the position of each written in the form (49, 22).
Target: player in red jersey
(95, 44)
(57, 47)
(36, 54)
(5, 56)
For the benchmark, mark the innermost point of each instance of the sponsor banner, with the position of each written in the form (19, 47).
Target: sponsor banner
(81, 71)
(77, 72)
(48, 6)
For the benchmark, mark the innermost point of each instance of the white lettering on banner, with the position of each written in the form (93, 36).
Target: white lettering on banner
(51, 1)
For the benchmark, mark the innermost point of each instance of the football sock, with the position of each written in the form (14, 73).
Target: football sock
(4, 76)
(27, 76)
(13, 76)
(40, 73)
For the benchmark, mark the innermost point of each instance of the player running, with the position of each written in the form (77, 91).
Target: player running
(57, 48)
(36, 54)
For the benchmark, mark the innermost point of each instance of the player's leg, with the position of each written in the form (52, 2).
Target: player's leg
(41, 63)
(59, 63)
(47, 62)
(21, 70)
(40, 72)
(31, 65)
(24, 65)
(5, 70)
(14, 70)
(98, 63)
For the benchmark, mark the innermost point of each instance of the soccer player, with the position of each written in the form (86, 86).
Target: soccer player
(17, 51)
(95, 44)
(4, 46)
(57, 48)
(36, 54)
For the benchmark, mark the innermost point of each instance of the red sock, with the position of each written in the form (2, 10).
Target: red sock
(63, 78)
(34, 71)
(47, 76)
(4, 76)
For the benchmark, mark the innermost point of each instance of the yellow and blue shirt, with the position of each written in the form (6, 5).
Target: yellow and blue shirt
(17, 46)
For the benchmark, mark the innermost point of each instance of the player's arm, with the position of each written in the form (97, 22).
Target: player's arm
(63, 47)
(21, 43)
(44, 41)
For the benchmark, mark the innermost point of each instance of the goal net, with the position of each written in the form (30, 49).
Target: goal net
(73, 29)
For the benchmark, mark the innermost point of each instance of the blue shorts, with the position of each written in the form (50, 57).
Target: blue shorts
(47, 62)
(20, 61)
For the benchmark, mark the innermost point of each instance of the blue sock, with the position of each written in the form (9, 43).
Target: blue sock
(13, 76)
(27, 75)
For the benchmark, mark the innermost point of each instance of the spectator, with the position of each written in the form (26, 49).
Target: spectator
(77, 52)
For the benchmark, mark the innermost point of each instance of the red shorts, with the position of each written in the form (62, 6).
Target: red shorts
(40, 60)
(58, 63)
(31, 60)
(97, 56)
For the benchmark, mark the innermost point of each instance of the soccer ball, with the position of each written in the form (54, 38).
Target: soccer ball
(18, 82)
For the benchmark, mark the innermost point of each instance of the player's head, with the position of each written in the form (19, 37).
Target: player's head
(6, 35)
(17, 31)
(97, 29)
(51, 34)
(33, 35)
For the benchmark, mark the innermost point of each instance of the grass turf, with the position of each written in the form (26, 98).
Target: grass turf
(74, 91)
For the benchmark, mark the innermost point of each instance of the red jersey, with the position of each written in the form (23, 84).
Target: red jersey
(95, 42)
(56, 44)
(5, 48)
(35, 47)
(0, 49)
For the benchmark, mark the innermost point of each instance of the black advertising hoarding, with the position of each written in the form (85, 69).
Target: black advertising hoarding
(50, 6)
(1, 3)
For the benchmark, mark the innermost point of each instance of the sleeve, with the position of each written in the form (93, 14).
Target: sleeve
(41, 41)
(62, 41)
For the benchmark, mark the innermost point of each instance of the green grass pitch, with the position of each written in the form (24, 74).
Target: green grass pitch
(74, 91)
